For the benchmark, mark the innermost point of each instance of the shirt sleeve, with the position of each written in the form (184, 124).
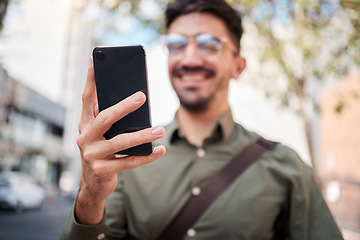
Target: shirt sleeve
(309, 215)
(115, 212)
(112, 226)
(74, 230)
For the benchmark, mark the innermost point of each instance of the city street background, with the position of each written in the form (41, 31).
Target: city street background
(45, 48)
(44, 224)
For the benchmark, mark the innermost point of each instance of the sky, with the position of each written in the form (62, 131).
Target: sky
(32, 44)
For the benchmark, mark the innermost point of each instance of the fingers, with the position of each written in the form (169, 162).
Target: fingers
(128, 140)
(130, 162)
(106, 118)
(107, 169)
(106, 148)
(89, 100)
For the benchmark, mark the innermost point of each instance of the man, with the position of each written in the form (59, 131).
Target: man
(275, 197)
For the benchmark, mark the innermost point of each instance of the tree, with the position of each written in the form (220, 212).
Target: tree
(309, 41)
(3, 7)
(321, 42)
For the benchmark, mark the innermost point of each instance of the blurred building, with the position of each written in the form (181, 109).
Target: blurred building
(31, 131)
(340, 166)
(76, 62)
(46, 44)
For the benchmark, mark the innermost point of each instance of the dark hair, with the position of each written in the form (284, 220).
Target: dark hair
(218, 8)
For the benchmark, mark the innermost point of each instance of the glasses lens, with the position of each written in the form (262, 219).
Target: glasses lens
(175, 43)
(208, 44)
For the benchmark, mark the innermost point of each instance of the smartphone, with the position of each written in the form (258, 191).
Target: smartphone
(120, 71)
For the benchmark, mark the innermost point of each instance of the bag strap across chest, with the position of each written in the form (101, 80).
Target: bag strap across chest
(197, 205)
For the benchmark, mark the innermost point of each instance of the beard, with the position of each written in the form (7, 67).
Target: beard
(198, 105)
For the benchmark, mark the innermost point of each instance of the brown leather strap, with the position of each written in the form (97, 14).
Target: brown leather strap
(197, 205)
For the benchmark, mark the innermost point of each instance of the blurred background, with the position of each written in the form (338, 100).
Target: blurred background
(301, 87)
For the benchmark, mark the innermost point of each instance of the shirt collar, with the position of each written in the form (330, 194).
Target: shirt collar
(225, 126)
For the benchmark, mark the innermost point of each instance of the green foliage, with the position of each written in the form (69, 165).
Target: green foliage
(325, 36)
(3, 7)
(322, 39)
(340, 106)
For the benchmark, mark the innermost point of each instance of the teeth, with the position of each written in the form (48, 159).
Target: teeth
(192, 78)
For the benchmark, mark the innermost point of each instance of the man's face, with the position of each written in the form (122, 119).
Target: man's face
(200, 77)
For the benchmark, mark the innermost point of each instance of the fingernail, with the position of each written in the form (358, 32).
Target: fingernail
(157, 131)
(137, 97)
(158, 149)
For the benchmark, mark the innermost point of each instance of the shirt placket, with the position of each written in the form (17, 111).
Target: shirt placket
(200, 155)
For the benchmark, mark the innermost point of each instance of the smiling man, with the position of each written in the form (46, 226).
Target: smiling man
(202, 60)
(136, 197)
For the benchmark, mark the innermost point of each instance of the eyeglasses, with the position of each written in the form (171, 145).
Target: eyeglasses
(207, 44)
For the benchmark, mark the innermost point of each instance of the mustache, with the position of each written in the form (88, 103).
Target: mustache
(178, 71)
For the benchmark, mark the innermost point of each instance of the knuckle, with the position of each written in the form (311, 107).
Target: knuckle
(131, 162)
(144, 136)
(80, 126)
(115, 144)
(99, 171)
(80, 141)
(88, 155)
(85, 95)
(104, 118)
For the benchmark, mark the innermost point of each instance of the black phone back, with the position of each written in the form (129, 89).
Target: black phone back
(120, 71)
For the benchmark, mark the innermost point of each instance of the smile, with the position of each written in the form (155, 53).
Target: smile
(193, 74)
(192, 78)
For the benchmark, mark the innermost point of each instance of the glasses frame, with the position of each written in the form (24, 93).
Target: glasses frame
(193, 39)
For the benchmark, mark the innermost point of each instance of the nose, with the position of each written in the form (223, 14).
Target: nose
(190, 56)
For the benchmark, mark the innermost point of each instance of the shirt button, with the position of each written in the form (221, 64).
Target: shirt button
(191, 232)
(200, 152)
(195, 191)
(101, 236)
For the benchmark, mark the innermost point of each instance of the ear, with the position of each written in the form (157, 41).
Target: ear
(240, 65)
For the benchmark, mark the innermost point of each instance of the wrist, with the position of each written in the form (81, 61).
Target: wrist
(88, 210)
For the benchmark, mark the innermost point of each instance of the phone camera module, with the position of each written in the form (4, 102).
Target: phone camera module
(100, 55)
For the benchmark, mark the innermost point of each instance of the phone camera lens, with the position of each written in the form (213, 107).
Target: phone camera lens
(100, 55)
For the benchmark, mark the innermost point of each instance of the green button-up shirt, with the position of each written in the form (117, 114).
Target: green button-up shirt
(279, 185)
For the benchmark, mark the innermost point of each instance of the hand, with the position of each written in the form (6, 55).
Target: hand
(99, 163)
